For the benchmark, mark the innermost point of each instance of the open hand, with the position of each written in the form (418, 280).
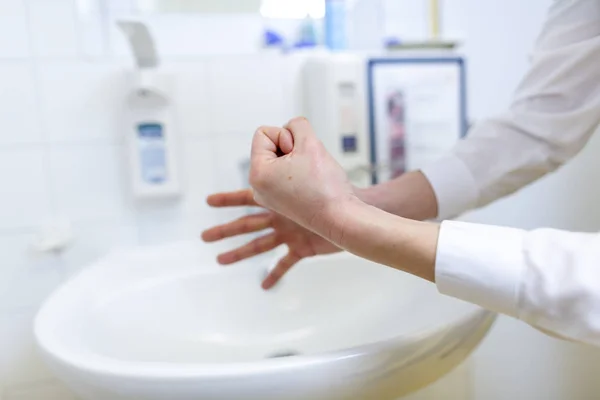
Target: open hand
(300, 241)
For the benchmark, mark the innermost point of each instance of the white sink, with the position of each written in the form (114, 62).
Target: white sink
(168, 323)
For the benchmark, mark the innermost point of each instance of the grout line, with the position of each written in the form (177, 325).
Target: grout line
(46, 159)
(77, 29)
(114, 142)
(39, 109)
(24, 230)
(85, 223)
(28, 22)
(60, 144)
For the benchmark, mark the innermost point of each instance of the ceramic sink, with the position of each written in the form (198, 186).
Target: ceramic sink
(168, 323)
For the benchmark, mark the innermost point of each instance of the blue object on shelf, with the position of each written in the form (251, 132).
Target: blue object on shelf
(272, 39)
(304, 45)
(335, 24)
(392, 41)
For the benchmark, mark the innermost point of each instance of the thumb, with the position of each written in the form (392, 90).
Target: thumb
(301, 129)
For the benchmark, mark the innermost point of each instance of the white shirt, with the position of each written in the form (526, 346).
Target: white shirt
(548, 278)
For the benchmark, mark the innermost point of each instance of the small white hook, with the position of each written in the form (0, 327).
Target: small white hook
(54, 237)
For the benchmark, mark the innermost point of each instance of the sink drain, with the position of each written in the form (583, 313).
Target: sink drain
(281, 354)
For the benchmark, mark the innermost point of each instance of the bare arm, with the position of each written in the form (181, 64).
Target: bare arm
(374, 234)
(410, 196)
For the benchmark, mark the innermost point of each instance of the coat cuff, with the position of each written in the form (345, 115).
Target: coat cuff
(481, 264)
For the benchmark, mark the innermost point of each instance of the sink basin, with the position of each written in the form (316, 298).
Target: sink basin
(168, 323)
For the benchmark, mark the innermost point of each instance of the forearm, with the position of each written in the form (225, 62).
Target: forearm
(410, 196)
(374, 234)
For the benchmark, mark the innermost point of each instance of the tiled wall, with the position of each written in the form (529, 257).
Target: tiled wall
(61, 157)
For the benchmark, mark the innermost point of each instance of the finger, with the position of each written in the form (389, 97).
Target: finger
(268, 142)
(286, 141)
(300, 128)
(255, 247)
(283, 266)
(282, 138)
(232, 199)
(247, 224)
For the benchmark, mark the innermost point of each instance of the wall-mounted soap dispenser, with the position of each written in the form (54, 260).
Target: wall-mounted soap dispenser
(152, 142)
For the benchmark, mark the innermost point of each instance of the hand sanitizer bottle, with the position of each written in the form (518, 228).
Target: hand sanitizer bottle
(152, 141)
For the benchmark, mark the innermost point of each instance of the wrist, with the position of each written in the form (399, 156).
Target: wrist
(341, 217)
(367, 195)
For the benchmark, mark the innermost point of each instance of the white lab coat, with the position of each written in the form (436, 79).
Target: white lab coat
(548, 278)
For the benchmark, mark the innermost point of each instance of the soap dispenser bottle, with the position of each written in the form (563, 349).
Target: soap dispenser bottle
(151, 135)
(152, 145)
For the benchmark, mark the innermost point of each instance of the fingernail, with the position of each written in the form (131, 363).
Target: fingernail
(268, 282)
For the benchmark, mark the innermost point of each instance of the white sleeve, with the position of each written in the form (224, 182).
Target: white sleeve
(548, 278)
(554, 112)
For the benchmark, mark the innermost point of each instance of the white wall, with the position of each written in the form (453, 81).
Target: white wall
(61, 96)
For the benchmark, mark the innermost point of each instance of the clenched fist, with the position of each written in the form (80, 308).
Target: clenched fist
(292, 174)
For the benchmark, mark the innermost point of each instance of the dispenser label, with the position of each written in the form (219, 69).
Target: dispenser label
(152, 150)
(349, 144)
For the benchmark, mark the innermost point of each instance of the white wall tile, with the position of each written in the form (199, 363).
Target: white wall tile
(245, 92)
(23, 193)
(292, 99)
(46, 390)
(88, 182)
(14, 34)
(19, 117)
(191, 98)
(233, 152)
(200, 173)
(91, 28)
(53, 28)
(26, 278)
(202, 177)
(94, 241)
(160, 222)
(83, 101)
(20, 362)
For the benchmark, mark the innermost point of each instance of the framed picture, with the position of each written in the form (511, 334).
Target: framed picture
(417, 111)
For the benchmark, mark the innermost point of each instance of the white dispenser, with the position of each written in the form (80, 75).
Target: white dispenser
(151, 134)
(334, 101)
